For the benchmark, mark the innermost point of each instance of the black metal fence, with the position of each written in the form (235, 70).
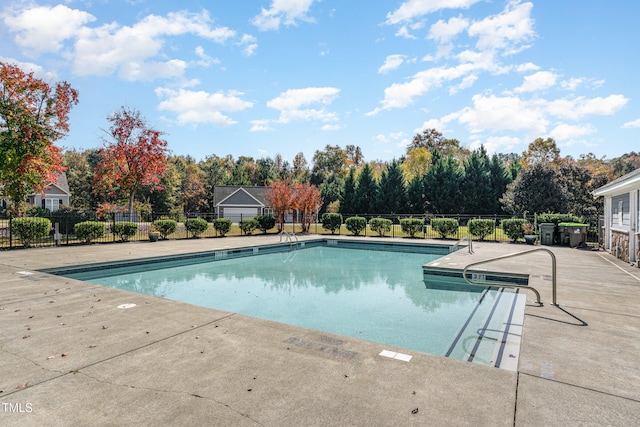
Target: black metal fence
(60, 228)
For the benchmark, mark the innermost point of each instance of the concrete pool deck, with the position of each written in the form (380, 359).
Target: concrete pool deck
(70, 356)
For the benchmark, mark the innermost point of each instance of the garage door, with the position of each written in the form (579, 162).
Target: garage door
(236, 214)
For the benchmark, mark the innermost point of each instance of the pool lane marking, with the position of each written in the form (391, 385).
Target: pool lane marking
(620, 268)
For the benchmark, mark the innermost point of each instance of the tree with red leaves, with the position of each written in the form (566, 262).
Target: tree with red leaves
(306, 200)
(279, 198)
(133, 158)
(33, 115)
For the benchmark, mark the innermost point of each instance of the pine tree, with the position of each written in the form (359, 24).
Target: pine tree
(415, 196)
(442, 185)
(477, 194)
(348, 199)
(366, 191)
(392, 197)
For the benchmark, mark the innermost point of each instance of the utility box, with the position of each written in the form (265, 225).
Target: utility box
(572, 234)
(547, 232)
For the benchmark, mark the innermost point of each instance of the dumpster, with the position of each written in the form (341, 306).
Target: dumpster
(547, 232)
(572, 234)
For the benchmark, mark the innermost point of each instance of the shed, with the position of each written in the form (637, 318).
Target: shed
(622, 216)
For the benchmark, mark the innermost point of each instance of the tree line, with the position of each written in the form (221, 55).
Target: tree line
(134, 168)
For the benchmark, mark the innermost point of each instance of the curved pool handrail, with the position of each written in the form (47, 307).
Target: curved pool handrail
(503, 285)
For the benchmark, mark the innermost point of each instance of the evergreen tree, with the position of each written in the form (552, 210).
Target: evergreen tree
(330, 190)
(500, 178)
(366, 191)
(442, 185)
(392, 196)
(348, 200)
(538, 188)
(477, 195)
(415, 196)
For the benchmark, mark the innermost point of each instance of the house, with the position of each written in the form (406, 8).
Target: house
(54, 195)
(622, 216)
(239, 202)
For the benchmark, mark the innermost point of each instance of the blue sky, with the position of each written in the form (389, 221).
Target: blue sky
(265, 77)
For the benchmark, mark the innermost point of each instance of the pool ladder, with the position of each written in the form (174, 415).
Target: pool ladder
(288, 236)
(456, 245)
(503, 285)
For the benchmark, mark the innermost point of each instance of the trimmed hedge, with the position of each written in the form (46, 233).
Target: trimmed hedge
(556, 218)
(125, 229)
(481, 228)
(222, 225)
(331, 221)
(165, 227)
(246, 225)
(513, 228)
(29, 229)
(445, 226)
(266, 222)
(380, 225)
(355, 224)
(412, 226)
(196, 226)
(89, 230)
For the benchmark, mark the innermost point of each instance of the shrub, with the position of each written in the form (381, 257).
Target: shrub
(331, 221)
(196, 226)
(125, 229)
(89, 230)
(266, 222)
(556, 218)
(68, 217)
(165, 227)
(412, 226)
(513, 228)
(246, 225)
(481, 228)
(380, 225)
(222, 225)
(445, 226)
(355, 224)
(29, 229)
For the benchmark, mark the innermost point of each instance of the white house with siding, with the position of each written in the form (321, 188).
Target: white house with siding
(622, 216)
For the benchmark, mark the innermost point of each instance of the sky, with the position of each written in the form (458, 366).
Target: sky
(264, 77)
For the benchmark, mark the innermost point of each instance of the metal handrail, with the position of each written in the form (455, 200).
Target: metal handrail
(553, 274)
(457, 244)
(288, 236)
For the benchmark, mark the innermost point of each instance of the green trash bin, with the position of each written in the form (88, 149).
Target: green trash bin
(547, 231)
(574, 234)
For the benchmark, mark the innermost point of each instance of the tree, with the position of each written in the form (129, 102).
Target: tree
(348, 200)
(442, 185)
(541, 151)
(433, 140)
(477, 196)
(307, 201)
(416, 163)
(136, 157)
(500, 178)
(33, 116)
(415, 195)
(279, 196)
(79, 177)
(392, 197)
(366, 191)
(536, 189)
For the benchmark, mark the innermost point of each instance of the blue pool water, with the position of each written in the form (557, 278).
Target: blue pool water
(375, 295)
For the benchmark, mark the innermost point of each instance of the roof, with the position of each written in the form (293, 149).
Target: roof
(624, 184)
(249, 195)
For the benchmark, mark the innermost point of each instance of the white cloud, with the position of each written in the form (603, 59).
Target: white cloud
(412, 9)
(538, 81)
(444, 32)
(287, 12)
(291, 103)
(108, 48)
(249, 44)
(579, 107)
(44, 29)
(572, 84)
(328, 128)
(503, 113)
(260, 126)
(632, 124)
(525, 68)
(496, 144)
(29, 67)
(508, 31)
(392, 62)
(194, 107)
(565, 132)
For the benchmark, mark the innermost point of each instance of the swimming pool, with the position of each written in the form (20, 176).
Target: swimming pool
(374, 292)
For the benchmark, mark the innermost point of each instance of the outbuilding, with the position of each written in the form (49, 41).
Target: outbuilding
(622, 216)
(240, 202)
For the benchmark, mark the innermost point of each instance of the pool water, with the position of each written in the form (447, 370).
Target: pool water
(375, 295)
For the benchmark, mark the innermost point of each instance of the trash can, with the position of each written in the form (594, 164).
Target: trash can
(573, 234)
(547, 231)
